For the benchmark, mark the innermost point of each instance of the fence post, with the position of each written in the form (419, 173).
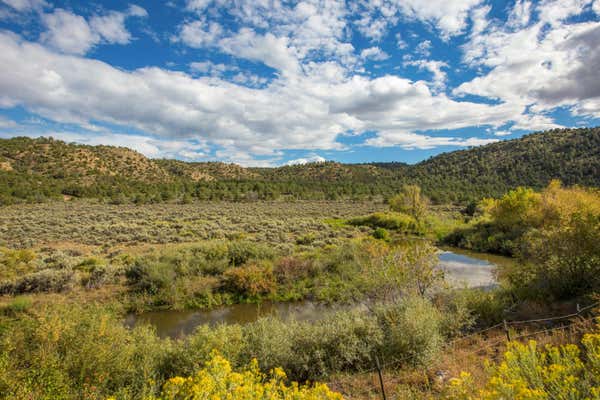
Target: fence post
(506, 330)
(378, 366)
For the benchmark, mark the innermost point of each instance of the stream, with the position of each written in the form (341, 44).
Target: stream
(461, 268)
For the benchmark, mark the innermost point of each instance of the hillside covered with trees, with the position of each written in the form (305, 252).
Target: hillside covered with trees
(34, 170)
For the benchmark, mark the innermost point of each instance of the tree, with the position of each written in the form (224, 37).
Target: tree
(410, 201)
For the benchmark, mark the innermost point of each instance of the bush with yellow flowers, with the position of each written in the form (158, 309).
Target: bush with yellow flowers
(218, 381)
(530, 373)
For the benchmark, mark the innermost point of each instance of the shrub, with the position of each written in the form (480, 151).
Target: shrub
(217, 380)
(47, 280)
(16, 262)
(410, 201)
(412, 330)
(528, 372)
(291, 269)
(149, 276)
(250, 281)
(240, 252)
(562, 262)
(381, 233)
(306, 239)
(73, 352)
(487, 307)
(18, 305)
(101, 275)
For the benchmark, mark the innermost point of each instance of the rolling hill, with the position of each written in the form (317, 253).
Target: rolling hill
(44, 168)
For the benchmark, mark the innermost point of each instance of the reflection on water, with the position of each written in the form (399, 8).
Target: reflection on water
(176, 324)
(470, 269)
(461, 268)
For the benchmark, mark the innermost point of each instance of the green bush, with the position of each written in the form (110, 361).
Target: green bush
(47, 280)
(18, 305)
(240, 252)
(149, 276)
(72, 352)
(381, 234)
(412, 330)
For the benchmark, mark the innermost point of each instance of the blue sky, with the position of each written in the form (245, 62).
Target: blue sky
(267, 82)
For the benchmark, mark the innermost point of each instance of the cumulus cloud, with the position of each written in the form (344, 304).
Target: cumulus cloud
(199, 33)
(313, 158)
(538, 66)
(317, 86)
(275, 34)
(72, 33)
(449, 17)
(374, 53)
(306, 112)
(435, 67)
(211, 68)
(409, 141)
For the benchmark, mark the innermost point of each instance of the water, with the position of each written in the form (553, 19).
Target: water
(176, 324)
(465, 268)
(461, 268)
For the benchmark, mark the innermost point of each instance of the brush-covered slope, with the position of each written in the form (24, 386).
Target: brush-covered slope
(37, 169)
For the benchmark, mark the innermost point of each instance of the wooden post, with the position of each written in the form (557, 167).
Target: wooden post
(506, 330)
(378, 366)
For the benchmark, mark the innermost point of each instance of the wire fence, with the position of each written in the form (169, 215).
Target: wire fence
(505, 326)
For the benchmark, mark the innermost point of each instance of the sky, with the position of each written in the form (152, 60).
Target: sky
(273, 82)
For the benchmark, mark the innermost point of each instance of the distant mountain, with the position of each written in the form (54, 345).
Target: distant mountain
(44, 168)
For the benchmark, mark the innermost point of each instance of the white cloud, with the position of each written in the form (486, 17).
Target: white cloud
(596, 7)
(520, 15)
(539, 66)
(314, 158)
(374, 53)
(556, 11)
(409, 140)
(450, 17)
(211, 68)
(424, 48)
(435, 67)
(400, 43)
(269, 49)
(200, 33)
(68, 32)
(26, 5)
(71, 33)
(296, 32)
(137, 11)
(304, 111)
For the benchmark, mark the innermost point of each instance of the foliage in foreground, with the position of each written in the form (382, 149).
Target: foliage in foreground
(530, 373)
(217, 380)
(66, 351)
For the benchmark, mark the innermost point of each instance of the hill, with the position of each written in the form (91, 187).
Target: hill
(44, 168)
